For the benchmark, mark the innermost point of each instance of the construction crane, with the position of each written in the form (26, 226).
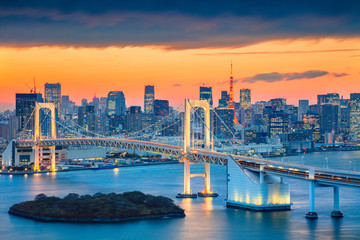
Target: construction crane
(33, 89)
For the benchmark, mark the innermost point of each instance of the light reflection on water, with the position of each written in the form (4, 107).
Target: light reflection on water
(205, 217)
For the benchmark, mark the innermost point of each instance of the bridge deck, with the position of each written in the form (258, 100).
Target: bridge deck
(321, 175)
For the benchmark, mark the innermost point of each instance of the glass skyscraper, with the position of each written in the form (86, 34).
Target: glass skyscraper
(149, 99)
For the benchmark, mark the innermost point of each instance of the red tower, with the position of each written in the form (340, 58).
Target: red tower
(231, 95)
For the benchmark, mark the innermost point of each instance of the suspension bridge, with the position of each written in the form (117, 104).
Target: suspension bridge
(252, 182)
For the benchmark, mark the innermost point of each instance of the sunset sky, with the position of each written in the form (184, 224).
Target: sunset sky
(292, 50)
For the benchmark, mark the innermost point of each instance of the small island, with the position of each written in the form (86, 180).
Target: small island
(98, 208)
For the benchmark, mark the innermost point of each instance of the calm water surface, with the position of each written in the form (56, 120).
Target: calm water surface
(206, 218)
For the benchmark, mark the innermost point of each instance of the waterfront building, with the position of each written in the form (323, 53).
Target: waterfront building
(206, 94)
(116, 103)
(149, 98)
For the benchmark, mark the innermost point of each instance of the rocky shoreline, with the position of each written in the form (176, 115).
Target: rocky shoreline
(94, 220)
(98, 208)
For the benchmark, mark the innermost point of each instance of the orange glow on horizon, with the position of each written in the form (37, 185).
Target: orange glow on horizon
(177, 74)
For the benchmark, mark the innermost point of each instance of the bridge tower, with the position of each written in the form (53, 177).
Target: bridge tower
(37, 133)
(186, 158)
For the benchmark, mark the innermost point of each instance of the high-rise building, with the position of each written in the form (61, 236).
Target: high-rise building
(329, 98)
(303, 108)
(206, 94)
(224, 100)
(25, 105)
(116, 103)
(278, 123)
(311, 121)
(102, 104)
(149, 99)
(53, 95)
(227, 116)
(161, 107)
(278, 103)
(245, 98)
(329, 118)
(355, 115)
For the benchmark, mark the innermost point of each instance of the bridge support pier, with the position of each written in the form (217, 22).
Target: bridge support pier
(187, 176)
(36, 158)
(311, 214)
(52, 149)
(207, 189)
(336, 213)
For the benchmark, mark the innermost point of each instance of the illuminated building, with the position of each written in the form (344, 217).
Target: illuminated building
(245, 98)
(53, 95)
(278, 104)
(355, 115)
(149, 99)
(311, 121)
(115, 103)
(278, 123)
(224, 100)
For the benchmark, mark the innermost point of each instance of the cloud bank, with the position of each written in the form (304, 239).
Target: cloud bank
(172, 24)
(276, 76)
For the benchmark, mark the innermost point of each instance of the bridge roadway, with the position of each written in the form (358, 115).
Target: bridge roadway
(323, 176)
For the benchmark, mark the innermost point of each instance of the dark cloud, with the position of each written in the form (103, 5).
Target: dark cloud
(177, 85)
(276, 77)
(339, 74)
(172, 24)
(282, 52)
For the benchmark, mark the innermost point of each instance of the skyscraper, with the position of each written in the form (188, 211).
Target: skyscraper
(245, 98)
(116, 103)
(25, 104)
(53, 95)
(303, 108)
(149, 99)
(206, 94)
(329, 118)
(355, 115)
(224, 100)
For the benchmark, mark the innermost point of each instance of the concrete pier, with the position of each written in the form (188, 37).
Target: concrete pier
(311, 214)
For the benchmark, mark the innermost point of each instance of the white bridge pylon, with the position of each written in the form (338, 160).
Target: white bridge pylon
(37, 134)
(191, 104)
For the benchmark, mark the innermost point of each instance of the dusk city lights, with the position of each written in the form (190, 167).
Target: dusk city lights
(179, 119)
